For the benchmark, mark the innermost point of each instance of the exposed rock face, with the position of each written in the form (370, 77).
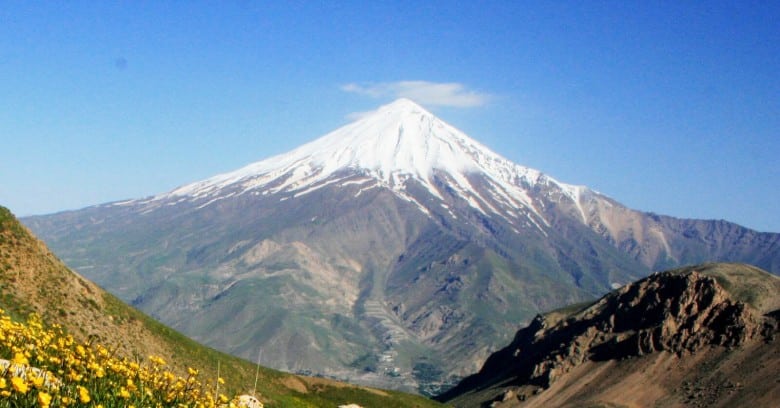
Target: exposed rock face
(679, 312)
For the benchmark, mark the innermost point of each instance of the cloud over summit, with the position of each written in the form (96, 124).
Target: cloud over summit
(450, 94)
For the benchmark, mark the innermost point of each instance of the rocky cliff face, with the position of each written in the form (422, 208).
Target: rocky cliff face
(679, 312)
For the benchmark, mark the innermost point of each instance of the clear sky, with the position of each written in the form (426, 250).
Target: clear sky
(671, 107)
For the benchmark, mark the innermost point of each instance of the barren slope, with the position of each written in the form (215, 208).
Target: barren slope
(697, 336)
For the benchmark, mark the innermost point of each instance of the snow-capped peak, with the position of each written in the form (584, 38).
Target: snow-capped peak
(397, 142)
(400, 138)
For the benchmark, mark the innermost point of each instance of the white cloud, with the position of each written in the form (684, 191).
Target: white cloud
(450, 94)
(358, 115)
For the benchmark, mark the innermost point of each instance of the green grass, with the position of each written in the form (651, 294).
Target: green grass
(745, 283)
(52, 281)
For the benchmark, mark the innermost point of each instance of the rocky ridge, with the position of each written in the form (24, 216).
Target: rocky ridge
(680, 312)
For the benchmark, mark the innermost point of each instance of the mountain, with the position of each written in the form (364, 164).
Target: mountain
(395, 251)
(32, 280)
(698, 336)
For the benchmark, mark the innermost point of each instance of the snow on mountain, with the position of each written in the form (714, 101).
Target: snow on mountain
(396, 143)
(353, 282)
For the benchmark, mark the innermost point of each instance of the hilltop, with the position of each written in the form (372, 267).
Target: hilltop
(698, 336)
(32, 280)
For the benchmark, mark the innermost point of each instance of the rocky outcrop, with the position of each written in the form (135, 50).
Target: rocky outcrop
(679, 312)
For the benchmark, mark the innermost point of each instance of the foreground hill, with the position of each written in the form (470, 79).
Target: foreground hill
(34, 280)
(699, 336)
(395, 251)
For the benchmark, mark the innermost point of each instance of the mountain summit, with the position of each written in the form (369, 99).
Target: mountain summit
(393, 251)
(398, 144)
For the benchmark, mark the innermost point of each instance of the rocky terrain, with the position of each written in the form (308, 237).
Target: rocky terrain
(698, 336)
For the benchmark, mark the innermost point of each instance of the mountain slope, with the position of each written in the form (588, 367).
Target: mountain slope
(385, 248)
(702, 336)
(33, 280)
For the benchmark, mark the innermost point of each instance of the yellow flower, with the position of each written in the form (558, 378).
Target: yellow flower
(19, 385)
(44, 399)
(20, 358)
(83, 395)
(88, 363)
(36, 381)
(74, 376)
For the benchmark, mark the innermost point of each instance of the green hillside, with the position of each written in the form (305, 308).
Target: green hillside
(32, 280)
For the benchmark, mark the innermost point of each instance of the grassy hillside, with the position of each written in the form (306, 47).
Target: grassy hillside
(32, 280)
(745, 283)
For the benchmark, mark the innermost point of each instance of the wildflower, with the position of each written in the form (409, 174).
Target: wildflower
(37, 381)
(65, 364)
(74, 376)
(19, 385)
(84, 395)
(20, 358)
(44, 399)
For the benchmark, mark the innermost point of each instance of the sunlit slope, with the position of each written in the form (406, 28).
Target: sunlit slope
(703, 335)
(32, 280)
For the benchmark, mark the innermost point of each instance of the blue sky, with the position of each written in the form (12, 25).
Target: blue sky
(670, 107)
